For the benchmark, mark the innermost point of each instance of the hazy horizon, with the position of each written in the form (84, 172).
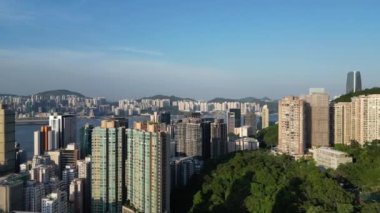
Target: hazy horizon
(196, 49)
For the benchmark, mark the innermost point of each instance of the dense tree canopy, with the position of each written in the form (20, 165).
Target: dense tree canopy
(260, 182)
(347, 97)
(268, 136)
(364, 173)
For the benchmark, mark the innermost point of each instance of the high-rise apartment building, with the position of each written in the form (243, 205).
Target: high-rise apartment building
(11, 193)
(107, 168)
(55, 202)
(354, 82)
(218, 138)
(68, 175)
(55, 157)
(189, 137)
(237, 113)
(42, 173)
(165, 118)
(50, 203)
(43, 140)
(7, 141)
(231, 122)
(85, 140)
(69, 155)
(34, 192)
(63, 128)
(250, 120)
(84, 172)
(265, 117)
(342, 123)
(182, 169)
(358, 120)
(318, 118)
(206, 138)
(77, 196)
(147, 168)
(292, 131)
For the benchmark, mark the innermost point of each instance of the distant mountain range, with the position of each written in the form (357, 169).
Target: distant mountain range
(217, 100)
(8, 95)
(60, 92)
(172, 98)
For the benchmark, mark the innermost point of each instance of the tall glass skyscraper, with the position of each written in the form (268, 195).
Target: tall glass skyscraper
(354, 82)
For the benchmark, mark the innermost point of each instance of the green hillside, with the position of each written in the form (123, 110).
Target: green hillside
(260, 182)
(60, 92)
(347, 97)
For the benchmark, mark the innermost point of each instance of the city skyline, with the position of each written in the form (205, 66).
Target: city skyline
(191, 49)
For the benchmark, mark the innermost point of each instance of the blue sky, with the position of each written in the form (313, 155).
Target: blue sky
(198, 48)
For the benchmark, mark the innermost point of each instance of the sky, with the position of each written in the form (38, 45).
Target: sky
(189, 48)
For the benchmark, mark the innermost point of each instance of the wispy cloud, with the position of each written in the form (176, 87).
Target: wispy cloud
(9, 13)
(137, 51)
(120, 76)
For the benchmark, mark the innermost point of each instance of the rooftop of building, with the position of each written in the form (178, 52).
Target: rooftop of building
(12, 179)
(329, 150)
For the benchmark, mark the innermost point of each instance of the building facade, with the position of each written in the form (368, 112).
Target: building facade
(63, 128)
(34, 192)
(265, 117)
(108, 161)
(147, 169)
(318, 118)
(218, 138)
(77, 196)
(85, 140)
(330, 158)
(358, 120)
(189, 137)
(354, 82)
(7, 141)
(292, 128)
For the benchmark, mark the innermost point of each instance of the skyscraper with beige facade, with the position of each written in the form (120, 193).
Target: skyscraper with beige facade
(358, 120)
(318, 118)
(342, 123)
(292, 131)
(265, 117)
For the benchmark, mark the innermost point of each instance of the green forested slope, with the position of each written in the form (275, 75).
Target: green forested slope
(260, 182)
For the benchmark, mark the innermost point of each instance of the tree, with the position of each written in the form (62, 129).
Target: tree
(260, 182)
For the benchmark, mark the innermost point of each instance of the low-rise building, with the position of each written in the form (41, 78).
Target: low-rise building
(242, 144)
(330, 158)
